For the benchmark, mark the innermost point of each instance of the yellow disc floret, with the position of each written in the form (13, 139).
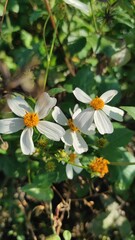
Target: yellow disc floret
(31, 119)
(72, 157)
(97, 103)
(99, 165)
(72, 126)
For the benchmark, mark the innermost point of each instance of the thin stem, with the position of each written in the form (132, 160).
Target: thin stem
(50, 13)
(29, 172)
(4, 12)
(44, 29)
(93, 16)
(49, 56)
(74, 164)
(122, 163)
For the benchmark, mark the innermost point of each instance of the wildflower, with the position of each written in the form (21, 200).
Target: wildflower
(98, 111)
(73, 162)
(79, 5)
(72, 136)
(99, 166)
(28, 119)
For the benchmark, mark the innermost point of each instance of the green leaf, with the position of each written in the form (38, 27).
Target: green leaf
(36, 15)
(130, 111)
(40, 187)
(53, 237)
(77, 45)
(55, 91)
(84, 80)
(39, 192)
(67, 235)
(126, 173)
(120, 137)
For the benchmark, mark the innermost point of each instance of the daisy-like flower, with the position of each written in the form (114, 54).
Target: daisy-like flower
(73, 162)
(28, 119)
(99, 166)
(98, 111)
(79, 5)
(73, 159)
(72, 136)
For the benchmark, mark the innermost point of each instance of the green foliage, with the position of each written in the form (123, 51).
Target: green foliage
(130, 111)
(55, 47)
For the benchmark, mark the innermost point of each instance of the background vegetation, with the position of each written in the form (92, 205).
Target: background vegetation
(54, 45)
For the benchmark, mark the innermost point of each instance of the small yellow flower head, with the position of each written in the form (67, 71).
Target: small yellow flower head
(99, 166)
(50, 166)
(31, 119)
(97, 103)
(62, 155)
(72, 157)
(72, 126)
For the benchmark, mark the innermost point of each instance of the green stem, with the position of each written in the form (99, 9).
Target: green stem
(44, 30)
(122, 163)
(50, 55)
(93, 16)
(73, 164)
(29, 172)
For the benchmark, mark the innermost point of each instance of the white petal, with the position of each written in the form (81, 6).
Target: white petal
(76, 113)
(18, 106)
(79, 5)
(81, 96)
(76, 108)
(102, 122)
(59, 116)
(44, 104)
(67, 149)
(114, 112)
(26, 141)
(79, 143)
(107, 96)
(84, 120)
(11, 125)
(67, 138)
(51, 130)
(69, 171)
(77, 169)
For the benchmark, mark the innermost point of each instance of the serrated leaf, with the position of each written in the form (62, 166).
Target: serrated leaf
(130, 111)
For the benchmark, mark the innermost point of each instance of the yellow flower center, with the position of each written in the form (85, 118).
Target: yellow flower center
(31, 119)
(72, 126)
(72, 157)
(99, 165)
(97, 103)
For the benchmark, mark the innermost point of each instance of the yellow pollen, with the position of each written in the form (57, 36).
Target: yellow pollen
(97, 103)
(72, 126)
(72, 157)
(99, 165)
(31, 119)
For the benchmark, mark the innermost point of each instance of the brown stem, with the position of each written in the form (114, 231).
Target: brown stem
(50, 13)
(67, 59)
(5, 7)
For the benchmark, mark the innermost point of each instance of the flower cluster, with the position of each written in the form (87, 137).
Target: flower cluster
(97, 115)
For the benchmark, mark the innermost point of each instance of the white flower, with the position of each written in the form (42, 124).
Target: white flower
(98, 111)
(73, 159)
(72, 137)
(79, 5)
(27, 119)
